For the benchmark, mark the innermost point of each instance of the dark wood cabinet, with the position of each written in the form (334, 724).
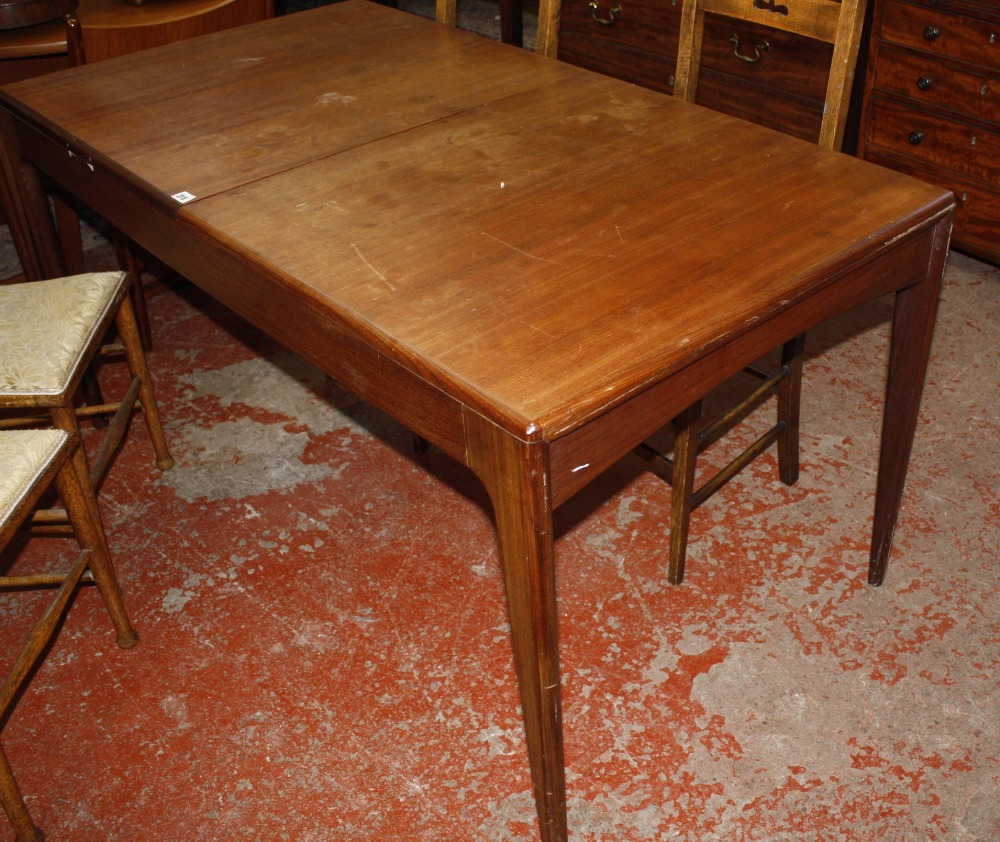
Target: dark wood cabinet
(636, 40)
(932, 106)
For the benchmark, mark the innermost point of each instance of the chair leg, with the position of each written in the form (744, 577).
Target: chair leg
(64, 418)
(789, 400)
(686, 427)
(128, 331)
(38, 638)
(85, 517)
(25, 830)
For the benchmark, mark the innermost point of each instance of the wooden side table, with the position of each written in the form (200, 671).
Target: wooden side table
(115, 27)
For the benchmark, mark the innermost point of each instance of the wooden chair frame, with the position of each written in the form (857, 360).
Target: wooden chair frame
(838, 24)
(93, 565)
(546, 41)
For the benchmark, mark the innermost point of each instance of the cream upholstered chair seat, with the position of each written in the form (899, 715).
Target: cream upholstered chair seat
(30, 462)
(48, 327)
(25, 456)
(50, 333)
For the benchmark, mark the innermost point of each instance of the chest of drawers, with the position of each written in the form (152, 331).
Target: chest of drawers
(636, 40)
(932, 106)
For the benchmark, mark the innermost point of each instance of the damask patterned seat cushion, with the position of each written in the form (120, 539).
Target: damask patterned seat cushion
(46, 326)
(24, 456)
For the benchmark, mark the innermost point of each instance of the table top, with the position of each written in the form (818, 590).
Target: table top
(539, 241)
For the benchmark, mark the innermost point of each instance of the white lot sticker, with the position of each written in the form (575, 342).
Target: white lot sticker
(183, 197)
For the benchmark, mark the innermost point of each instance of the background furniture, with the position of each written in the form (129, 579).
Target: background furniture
(932, 106)
(116, 27)
(636, 40)
(30, 462)
(510, 18)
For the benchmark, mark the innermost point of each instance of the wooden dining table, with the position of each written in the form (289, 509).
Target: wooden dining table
(531, 266)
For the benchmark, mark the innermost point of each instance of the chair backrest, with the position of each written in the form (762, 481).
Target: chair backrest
(548, 22)
(835, 23)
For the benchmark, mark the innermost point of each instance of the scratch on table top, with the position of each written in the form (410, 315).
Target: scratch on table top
(364, 260)
(519, 251)
(527, 324)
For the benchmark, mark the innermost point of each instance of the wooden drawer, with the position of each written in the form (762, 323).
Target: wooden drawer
(784, 90)
(939, 33)
(926, 81)
(932, 106)
(948, 144)
(638, 43)
(977, 214)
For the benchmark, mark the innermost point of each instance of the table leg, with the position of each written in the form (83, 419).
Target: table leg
(515, 474)
(912, 330)
(13, 209)
(25, 202)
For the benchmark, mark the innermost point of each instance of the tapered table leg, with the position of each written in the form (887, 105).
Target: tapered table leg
(25, 203)
(912, 331)
(515, 474)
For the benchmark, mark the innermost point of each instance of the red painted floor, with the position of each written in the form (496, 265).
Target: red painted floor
(325, 654)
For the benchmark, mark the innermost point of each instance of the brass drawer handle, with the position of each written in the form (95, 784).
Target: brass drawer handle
(931, 33)
(758, 50)
(916, 138)
(925, 83)
(595, 13)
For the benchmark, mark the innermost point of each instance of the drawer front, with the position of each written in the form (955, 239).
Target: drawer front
(634, 40)
(939, 33)
(784, 89)
(923, 80)
(977, 213)
(790, 64)
(929, 139)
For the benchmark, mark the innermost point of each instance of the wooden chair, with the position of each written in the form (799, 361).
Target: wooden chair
(510, 18)
(511, 22)
(50, 333)
(834, 23)
(31, 461)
